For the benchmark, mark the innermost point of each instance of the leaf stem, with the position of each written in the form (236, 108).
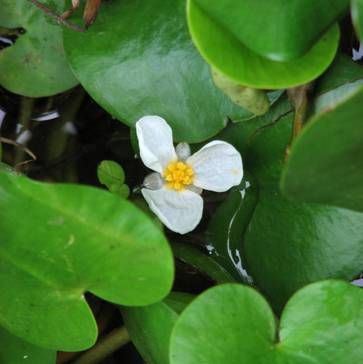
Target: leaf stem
(60, 20)
(25, 114)
(59, 141)
(105, 347)
(299, 98)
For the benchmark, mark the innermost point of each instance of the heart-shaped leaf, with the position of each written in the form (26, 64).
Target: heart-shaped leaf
(138, 59)
(16, 351)
(326, 162)
(150, 327)
(73, 239)
(321, 323)
(232, 58)
(290, 244)
(35, 65)
(277, 30)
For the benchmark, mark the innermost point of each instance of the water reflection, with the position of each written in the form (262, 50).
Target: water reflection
(228, 226)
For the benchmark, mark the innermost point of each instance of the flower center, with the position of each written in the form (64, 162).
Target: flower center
(178, 175)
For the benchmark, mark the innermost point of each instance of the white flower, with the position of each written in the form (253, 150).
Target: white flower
(173, 192)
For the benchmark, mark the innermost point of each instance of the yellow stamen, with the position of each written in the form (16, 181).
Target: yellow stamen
(178, 175)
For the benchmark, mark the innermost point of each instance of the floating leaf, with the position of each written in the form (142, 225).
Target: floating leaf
(321, 322)
(229, 56)
(326, 162)
(73, 239)
(277, 30)
(147, 66)
(16, 351)
(35, 65)
(150, 327)
(290, 244)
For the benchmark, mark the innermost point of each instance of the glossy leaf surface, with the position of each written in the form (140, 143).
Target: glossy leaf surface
(320, 322)
(138, 59)
(233, 59)
(326, 162)
(205, 264)
(290, 244)
(228, 225)
(277, 30)
(35, 65)
(73, 239)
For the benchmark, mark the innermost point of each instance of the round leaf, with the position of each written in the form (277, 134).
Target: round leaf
(229, 56)
(110, 173)
(322, 321)
(138, 59)
(35, 65)
(289, 244)
(326, 161)
(73, 239)
(277, 30)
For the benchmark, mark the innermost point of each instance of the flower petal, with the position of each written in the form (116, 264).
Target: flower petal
(180, 211)
(155, 142)
(217, 166)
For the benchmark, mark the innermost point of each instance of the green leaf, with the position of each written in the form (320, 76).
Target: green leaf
(357, 16)
(123, 190)
(229, 56)
(150, 327)
(35, 65)
(342, 71)
(73, 239)
(6, 168)
(228, 225)
(326, 162)
(16, 351)
(277, 30)
(110, 173)
(290, 244)
(321, 323)
(202, 262)
(255, 101)
(148, 66)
